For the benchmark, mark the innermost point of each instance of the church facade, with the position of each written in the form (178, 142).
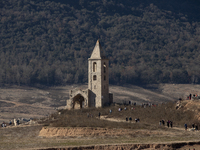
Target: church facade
(97, 94)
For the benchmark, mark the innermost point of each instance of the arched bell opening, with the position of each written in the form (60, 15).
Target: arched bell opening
(78, 101)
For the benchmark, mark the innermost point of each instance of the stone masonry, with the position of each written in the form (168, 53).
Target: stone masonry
(97, 94)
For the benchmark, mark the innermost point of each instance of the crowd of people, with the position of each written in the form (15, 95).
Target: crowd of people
(144, 105)
(194, 127)
(3, 125)
(169, 123)
(15, 122)
(192, 96)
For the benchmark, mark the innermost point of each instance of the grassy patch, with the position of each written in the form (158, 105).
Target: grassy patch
(149, 117)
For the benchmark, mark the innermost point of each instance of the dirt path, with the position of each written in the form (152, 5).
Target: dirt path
(16, 109)
(133, 121)
(17, 104)
(113, 119)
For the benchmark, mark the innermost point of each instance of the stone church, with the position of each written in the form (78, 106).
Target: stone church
(97, 94)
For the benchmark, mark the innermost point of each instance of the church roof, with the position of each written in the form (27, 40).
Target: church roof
(98, 52)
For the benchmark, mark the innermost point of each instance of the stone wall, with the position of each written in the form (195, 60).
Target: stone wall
(73, 93)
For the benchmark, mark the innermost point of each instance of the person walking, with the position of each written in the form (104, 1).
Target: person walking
(99, 115)
(163, 122)
(196, 127)
(193, 125)
(171, 124)
(160, 123)
(185, 126)
(130, 119)
(168, 123)
(126, 118)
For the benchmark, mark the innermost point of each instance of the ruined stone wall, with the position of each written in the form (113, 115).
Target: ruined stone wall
(73, 93)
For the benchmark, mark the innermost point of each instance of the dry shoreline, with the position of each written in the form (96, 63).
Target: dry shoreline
(165, 146)
(38, 103)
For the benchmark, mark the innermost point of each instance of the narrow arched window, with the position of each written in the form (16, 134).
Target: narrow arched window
(94, 77)
(94, 66)
(104, 78)
(104, 67)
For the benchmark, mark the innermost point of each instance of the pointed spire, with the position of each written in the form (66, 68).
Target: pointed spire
(98, 52)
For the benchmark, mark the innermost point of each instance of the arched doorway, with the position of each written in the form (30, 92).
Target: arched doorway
(78, 101)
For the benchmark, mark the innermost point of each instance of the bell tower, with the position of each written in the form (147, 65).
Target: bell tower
(98, 77)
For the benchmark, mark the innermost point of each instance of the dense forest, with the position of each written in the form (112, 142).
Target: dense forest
(49, 42)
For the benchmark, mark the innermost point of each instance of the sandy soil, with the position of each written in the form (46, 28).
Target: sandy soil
(85, 132)
(36, 137)
(142, 135)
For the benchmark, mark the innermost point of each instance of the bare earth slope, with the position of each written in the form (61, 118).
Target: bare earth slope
(26, 137)
(30, 102)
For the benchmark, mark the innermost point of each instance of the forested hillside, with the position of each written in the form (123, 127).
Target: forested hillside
(49, 42)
